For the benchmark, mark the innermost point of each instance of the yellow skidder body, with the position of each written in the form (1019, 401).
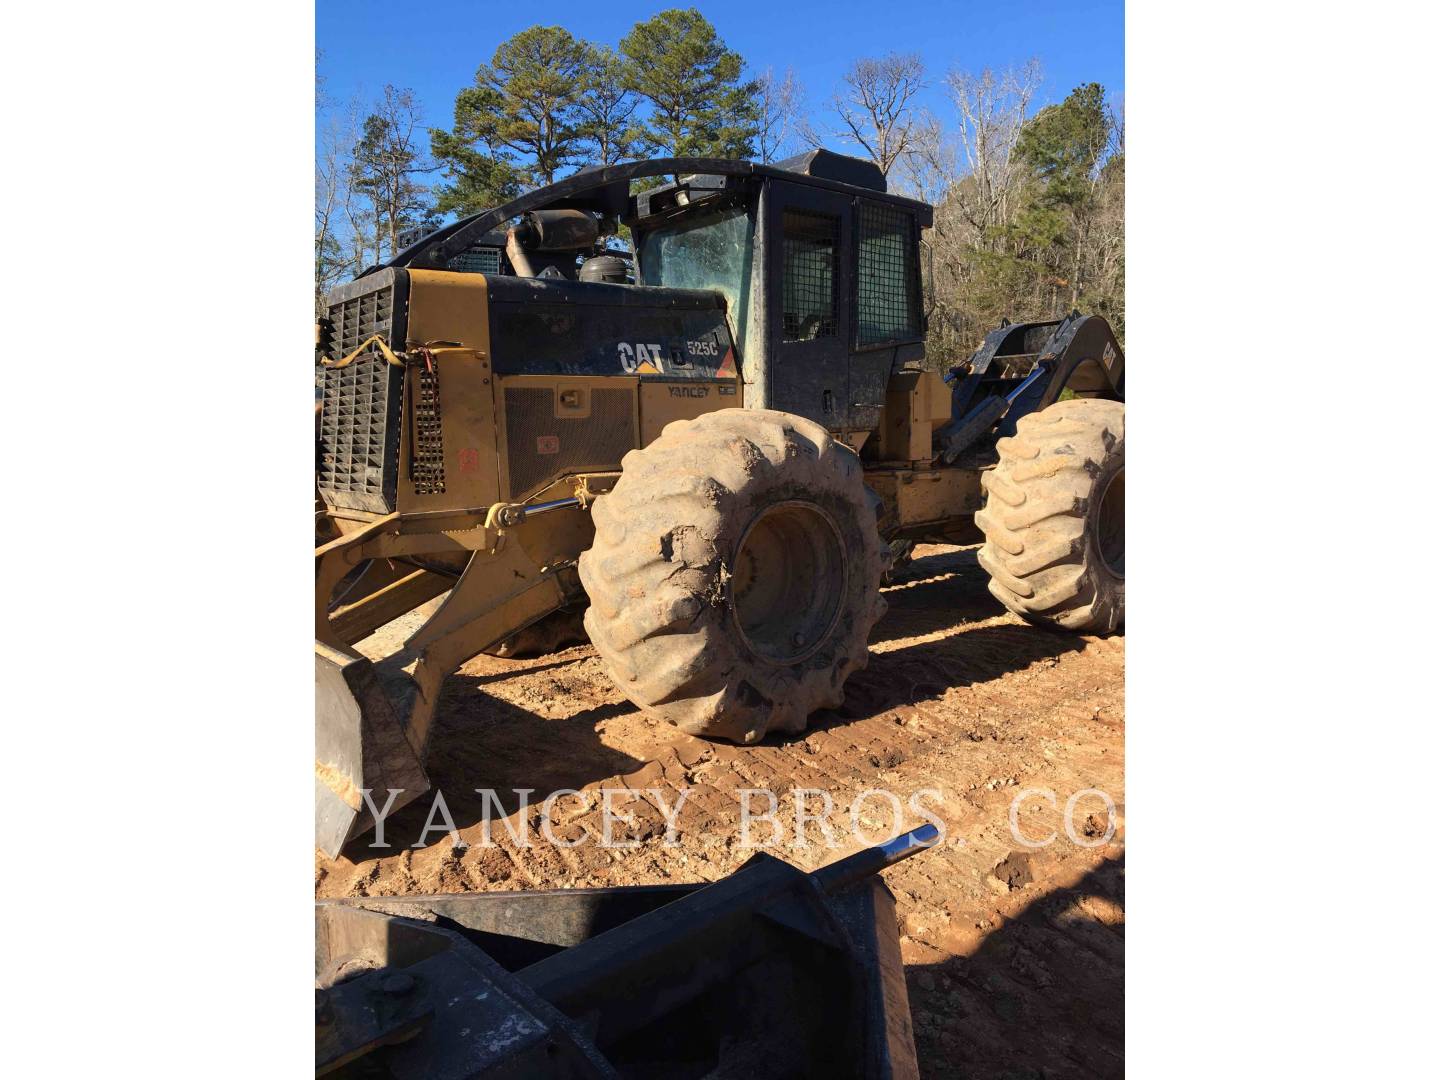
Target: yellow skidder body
(713, 451)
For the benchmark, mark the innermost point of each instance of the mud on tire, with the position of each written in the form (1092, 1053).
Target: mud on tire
(735, 573)
(1054, 517)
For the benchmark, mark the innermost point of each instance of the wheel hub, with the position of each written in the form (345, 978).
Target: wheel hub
(788, 581)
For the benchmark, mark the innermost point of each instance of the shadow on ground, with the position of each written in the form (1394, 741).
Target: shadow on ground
(481, 741)
(924, 671)
(1042, 996)
(936, 592)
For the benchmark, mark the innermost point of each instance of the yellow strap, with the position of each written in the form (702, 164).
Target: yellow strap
(373, 339)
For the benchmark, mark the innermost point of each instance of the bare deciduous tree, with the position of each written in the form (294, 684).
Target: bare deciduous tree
(334, 198)
(929, 170)
(780, 102)
(993, 108)
(875, 107)
(1117, 128)
(973, 178)
(387, 158)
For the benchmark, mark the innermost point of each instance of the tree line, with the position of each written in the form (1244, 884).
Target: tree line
(1029, 202)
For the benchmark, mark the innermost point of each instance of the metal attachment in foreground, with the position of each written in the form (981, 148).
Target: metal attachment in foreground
(768, 972)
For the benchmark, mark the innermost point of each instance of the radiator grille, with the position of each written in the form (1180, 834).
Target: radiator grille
(541, 446)
(360, 408)
(352, 321)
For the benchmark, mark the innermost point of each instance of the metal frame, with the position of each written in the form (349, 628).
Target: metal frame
(804, 967)
(435, 250)
(517, 568)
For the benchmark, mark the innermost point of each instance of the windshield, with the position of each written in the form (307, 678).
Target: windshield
(713, 253)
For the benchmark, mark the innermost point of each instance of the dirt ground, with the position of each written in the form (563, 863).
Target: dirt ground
(1014, 955)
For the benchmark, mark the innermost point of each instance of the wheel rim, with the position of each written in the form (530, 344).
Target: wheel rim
(788, 581)
(1110, 525)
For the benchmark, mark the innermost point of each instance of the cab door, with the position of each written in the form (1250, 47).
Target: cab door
(808, 285)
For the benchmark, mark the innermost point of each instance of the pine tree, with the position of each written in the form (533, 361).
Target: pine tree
(1062, 148)
(469, 154)
(536, 78)
(519, 125)
(607, 107)
(699, 106)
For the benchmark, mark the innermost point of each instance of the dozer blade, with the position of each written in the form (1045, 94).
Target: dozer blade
(360, 745)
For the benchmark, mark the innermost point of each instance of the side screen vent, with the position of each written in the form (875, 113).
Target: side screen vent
(427, 455)
(541, 446)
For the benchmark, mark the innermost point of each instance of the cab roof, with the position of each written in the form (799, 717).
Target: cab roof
(606, 190)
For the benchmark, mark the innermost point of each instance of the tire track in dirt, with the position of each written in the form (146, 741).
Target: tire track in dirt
(1014, 955)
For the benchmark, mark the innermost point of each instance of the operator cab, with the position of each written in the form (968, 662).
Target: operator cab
(815, 264)
(819, 267)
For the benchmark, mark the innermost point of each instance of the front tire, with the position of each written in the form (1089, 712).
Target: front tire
(1054, 517)
(735, 573)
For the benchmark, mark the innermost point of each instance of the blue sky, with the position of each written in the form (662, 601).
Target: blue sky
(434, 46)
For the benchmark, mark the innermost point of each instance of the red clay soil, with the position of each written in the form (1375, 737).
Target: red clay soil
(1014, 954)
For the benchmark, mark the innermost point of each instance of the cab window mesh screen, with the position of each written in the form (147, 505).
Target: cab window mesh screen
(808, 281)
(886, 289)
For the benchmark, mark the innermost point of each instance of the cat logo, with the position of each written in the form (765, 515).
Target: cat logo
(641, 359)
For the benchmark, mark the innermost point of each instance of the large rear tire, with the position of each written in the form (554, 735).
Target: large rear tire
(1054, 517)
(735, 573)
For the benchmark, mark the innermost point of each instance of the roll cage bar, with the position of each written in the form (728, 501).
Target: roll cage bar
(605, 190)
